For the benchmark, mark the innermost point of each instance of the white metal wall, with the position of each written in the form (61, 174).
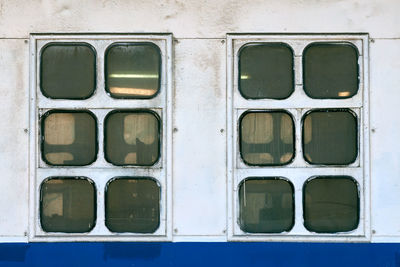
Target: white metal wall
(199, 119)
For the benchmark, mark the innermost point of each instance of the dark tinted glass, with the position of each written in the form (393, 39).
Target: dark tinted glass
(69, 138)
(133, 70)
(67, 205)
(266, 71)
(132, 138)
(266, 205)
(266, 138)
(133, 205)
(330, 70)
(68, 71)
(330, 137)
(331, 204)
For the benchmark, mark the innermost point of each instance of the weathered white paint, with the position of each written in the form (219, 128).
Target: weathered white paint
(14, 125)
(199, 202)
(200, 139)
(193, 19)
(385, 133)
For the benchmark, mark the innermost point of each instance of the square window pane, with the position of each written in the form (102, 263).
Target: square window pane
(132, 138)
(133, 70)
(133, 205)
(68, 71)
(330, 70)
(67, 204)
(69, 138)
(266, 138)
(266, 205)
(266, 71)
(330, 137)
(331, 204)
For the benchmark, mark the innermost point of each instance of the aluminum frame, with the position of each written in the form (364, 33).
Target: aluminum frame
(298, 171)
(100, 104)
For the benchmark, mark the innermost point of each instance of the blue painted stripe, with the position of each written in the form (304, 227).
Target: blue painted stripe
(199, 254)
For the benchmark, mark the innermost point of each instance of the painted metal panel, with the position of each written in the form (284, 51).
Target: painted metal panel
(385, 157)
(199, 156)
(14, 124)
(199, 165)
(199, 254)
(200, 18)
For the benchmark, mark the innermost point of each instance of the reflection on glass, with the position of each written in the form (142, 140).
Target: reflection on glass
(67, 205)
(68, 71)
(266, 138)
(330, 70)
(133, 205)
(344, 94)
(331, 204)
(132, 138)
(330, 137)
(266, 205)
(133, 70)
(69, 138)
(266, 71)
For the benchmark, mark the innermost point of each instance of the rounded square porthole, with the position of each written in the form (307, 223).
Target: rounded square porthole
(266, 138)
(330, 137)
(266, 71)
(67, 204)
(330, 70)
(133, 70)
(68, 71)
(132, 205)
(266, 205)
(69, 138)
(331, 204)
(132, 137)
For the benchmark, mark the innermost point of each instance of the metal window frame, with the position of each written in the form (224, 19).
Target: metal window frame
(298, 104)
(100, 104)
(90, 181)
(121, 178)
(157, 116)
(269, 178)
(242, 113)
(344, 177)
(68, 44)
(270, 44)
(116, 44)
(44, 114)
